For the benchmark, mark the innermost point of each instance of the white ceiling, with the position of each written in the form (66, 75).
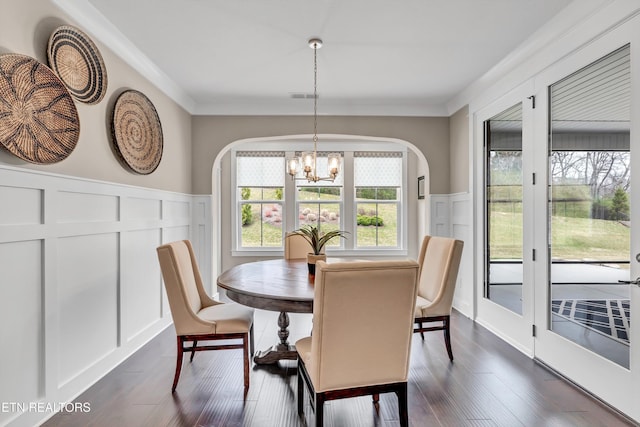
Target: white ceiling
(380, 57)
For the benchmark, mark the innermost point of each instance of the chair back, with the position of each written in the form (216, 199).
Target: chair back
(296, 246)
(362, 323)
(439, 263)
(183, 283)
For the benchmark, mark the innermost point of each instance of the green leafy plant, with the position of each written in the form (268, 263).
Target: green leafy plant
(370, 220)
(247, 215)
(316, 239)
(245, 193)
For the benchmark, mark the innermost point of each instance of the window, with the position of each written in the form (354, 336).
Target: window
(260, 189)
(366, 200)
(320, 203)
(378, 184)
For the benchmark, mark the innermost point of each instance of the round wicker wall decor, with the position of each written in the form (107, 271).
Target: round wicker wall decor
(77, 61)
(137, 132)
(38, 120)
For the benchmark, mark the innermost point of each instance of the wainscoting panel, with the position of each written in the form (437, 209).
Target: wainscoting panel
(21, 327)
(202, 221)
(440, 220)
(172, 234)
(87, 302)
(81, 288)
(141, 281)
(20, 205)
(177, 210)
(83, 207)
(452, 217)
(137, 208)
(459, 208)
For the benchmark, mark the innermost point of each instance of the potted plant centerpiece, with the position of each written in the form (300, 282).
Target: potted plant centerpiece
(317, 241)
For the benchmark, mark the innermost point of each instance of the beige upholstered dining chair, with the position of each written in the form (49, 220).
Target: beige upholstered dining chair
(439, 262)
(196, 316)
(296, 246)
(346, 356)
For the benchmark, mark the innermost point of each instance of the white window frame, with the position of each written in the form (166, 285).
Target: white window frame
(348, 221)
(400, 204)
(236, 204)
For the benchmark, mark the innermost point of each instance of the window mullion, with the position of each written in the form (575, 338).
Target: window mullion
(348, 220)
(290, 202)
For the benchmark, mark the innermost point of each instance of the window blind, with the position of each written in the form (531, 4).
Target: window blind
(260, 169)
(377, 169)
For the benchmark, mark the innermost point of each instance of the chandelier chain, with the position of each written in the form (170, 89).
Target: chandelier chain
(309, 161)
(315, 94)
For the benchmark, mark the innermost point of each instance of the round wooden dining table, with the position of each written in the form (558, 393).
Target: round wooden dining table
(277, 285)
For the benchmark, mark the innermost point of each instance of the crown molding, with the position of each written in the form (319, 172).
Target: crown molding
(292, 107)
(94, 23)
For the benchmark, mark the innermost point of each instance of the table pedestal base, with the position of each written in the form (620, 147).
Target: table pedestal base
(281, 351)
(275, 353)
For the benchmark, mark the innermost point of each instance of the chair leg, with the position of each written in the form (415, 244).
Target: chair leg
(403, 405)
(178, 364)
(193, 351)
(300, 393)
(376, 402)
(251, 340)
(245, 353)
(319, 409)
(447, 336)
(421, 333)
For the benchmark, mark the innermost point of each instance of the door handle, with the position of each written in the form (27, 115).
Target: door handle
(631, 282)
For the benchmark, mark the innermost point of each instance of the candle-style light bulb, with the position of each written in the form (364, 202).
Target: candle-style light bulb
(293, 164)
(333, 164)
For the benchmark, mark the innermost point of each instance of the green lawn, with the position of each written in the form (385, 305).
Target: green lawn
(572, 238)
(265, 232)
(583, 238)
(261, 233)
(387, 234)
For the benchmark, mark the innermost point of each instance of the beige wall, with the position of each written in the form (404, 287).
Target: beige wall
(212, 133)
(459, 151)
(25, 27)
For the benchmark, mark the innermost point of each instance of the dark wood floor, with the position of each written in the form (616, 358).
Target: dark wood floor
(489, 384)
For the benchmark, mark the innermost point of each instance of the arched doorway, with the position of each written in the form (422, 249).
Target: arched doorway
(419, 168)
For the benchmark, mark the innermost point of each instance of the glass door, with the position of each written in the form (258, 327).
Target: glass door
(589, 193)
(505, 280)
(558, 212)
(585, 230)
(503, 208)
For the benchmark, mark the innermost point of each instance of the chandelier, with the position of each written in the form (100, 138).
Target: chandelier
(308, 162)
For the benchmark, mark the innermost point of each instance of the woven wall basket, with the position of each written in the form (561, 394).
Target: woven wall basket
(77, 61)
(38, 120)
(137, 132)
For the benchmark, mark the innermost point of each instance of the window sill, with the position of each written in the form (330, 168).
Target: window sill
(343, 253)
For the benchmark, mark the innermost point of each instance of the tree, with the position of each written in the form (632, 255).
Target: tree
(602, 171)
(620, 204)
